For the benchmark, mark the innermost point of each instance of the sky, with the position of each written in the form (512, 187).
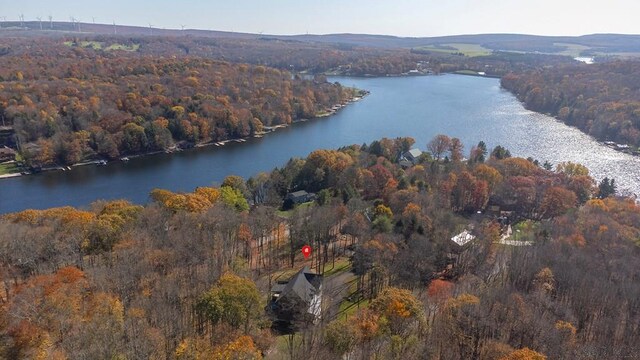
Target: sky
(412, 18)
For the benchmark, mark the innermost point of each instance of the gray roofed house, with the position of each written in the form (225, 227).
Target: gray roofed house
(297, 300)
(412, 155)
(301, 196)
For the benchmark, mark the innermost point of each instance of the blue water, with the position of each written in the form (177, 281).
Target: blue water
(470, 108)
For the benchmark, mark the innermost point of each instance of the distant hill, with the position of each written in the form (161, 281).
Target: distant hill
(586, 45)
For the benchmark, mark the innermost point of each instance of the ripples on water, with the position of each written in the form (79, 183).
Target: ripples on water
(545, 138)
(470, 108)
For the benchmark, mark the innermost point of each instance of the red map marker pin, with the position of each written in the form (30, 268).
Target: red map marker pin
(306, 251)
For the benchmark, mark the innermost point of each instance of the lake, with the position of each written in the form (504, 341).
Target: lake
(470, 108)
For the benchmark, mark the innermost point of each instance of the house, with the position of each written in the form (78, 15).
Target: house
(297, 300)
(7, 154)
(460, 249)
(299, 197)
(412, 155)
(405, 164)
(463, 238)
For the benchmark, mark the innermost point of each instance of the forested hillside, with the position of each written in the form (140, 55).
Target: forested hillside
(80, 103)
(602, 100)
(73, 99)
(551, 269)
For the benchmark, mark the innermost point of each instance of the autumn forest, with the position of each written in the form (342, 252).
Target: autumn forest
(442, 254)
(186, 276)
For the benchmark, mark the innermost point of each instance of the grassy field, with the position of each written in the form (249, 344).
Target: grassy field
(348, 308)
(287, 214)
(573, 50)
(96, 45)
(470, 50)
(342, 264)
(8, 169)
(112, 47)
(281, 349)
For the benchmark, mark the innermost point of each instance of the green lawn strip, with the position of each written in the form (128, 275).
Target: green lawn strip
(10, 168)
(283, 275)
(287, 214)
(348, 308)
(342, 265)
(281, 351)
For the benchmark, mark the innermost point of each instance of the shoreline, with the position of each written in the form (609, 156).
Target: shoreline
(621, 148)
(259, 134)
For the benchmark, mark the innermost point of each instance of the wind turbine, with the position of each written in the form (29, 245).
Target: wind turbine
(78, 23)
(94, 19)
(115, 31)
(182, 26)
(39, 21)
(4, 20)
(51, 22)
(150, 29)
(21, 20)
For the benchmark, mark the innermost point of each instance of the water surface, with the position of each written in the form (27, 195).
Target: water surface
(470, 108)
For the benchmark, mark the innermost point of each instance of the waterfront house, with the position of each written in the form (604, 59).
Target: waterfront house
(299, 197)
(7, 154)
(412, 155)
(297, 300)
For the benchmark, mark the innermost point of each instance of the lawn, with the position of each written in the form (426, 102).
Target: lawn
(342, 264)
(10, 168)
(349, 308)
(287, 214)
(280, 351)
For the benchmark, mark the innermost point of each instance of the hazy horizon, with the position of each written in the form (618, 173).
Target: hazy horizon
(405, 18)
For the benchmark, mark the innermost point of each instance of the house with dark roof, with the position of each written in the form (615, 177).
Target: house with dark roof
(299, 197)
(297, 300)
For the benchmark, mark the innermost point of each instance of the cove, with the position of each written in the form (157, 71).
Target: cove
(467, 107)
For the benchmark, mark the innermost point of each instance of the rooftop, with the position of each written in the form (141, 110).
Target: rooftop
(415, 152)
(298, 193)
(463, 238)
